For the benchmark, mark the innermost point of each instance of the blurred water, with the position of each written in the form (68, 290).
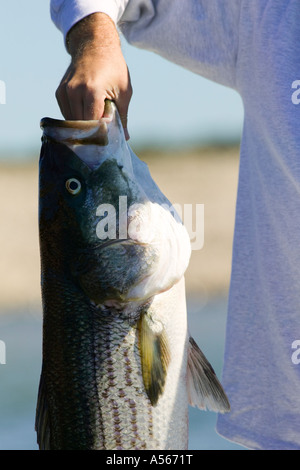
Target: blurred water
(19, 377)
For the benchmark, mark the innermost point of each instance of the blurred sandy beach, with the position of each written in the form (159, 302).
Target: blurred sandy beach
(202, 176)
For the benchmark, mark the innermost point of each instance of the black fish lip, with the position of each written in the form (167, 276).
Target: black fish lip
(124, 241)
(115, 241)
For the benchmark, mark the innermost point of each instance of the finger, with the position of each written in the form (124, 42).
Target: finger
(62, 94)
(76, 99)
(63, 102)
(93, 105)
(123, 113)
(108, 112)
(123, 105)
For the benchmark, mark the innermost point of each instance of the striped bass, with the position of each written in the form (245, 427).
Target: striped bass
(119, 366)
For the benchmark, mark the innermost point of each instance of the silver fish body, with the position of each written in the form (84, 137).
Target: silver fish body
(119, 366)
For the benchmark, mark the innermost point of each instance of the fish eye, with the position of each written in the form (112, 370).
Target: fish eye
(73, 186)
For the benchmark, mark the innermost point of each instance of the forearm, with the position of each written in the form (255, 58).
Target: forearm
(67, 13)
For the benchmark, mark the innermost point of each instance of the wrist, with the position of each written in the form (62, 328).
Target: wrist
(96, 31)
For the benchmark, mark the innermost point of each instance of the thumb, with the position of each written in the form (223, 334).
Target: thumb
(123, 112)
(122, 102)
(123, 105)
(124, 120)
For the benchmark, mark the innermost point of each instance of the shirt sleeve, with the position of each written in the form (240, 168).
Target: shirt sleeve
(200, 35)
(66, 13)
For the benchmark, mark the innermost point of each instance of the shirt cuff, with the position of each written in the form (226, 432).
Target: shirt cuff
(66, 13)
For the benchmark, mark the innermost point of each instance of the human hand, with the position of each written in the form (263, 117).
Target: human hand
(98, 71)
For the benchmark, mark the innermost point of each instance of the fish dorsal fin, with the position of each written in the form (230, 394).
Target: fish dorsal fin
(204, 388)
(155, 356)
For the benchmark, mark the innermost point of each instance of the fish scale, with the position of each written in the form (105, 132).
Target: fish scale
(69, 374)
(120, 386)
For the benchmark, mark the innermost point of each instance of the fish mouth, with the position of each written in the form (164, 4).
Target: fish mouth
(116, 241)
(110, 270)
(124, 241)
(79, 132)
(75, 132)
(86, 261)
(93, 141)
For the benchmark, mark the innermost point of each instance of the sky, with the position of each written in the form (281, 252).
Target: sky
(33, 60)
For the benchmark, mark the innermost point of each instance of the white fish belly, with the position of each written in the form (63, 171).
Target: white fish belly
(129, 420)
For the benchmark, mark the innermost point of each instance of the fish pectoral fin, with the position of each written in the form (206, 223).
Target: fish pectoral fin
(204, 388)
(155, 356)
(42, 422)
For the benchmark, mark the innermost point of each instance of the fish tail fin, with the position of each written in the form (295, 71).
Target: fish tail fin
(204, 388)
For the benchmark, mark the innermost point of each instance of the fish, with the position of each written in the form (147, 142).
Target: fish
(119, 366)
